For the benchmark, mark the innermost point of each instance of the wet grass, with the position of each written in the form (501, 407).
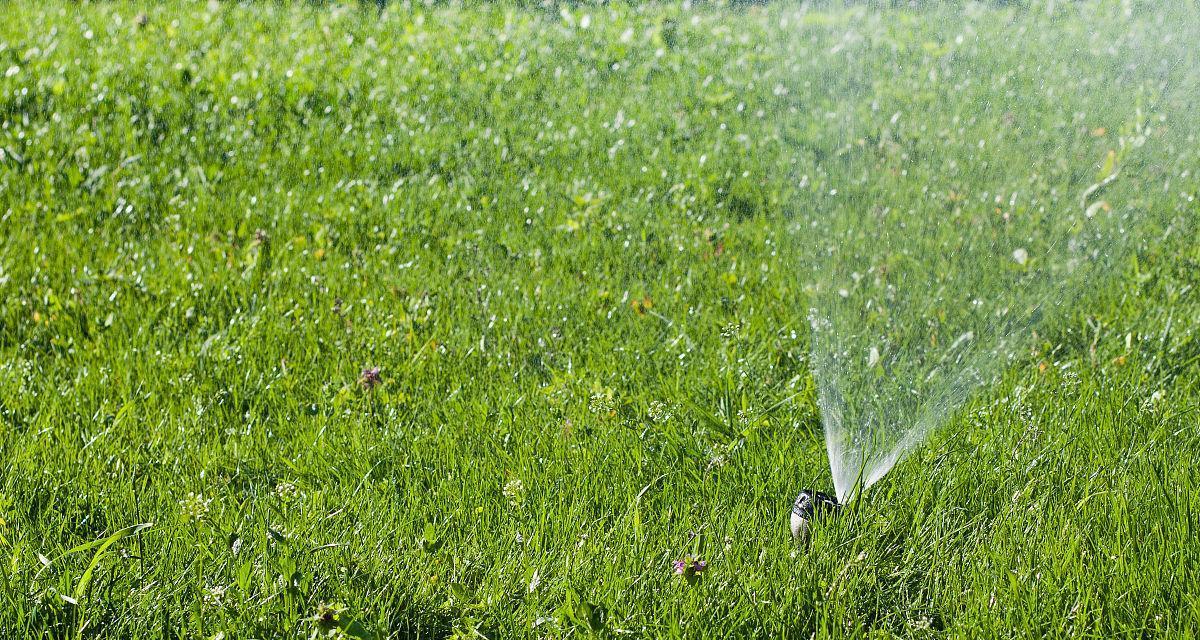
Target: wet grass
(573, 244)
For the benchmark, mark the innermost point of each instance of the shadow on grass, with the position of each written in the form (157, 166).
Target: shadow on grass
(415, 622)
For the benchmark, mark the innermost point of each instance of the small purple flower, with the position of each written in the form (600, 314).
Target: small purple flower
(690, 568)
(370, 378)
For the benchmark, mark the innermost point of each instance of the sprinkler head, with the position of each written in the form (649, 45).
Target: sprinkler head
(811, 505)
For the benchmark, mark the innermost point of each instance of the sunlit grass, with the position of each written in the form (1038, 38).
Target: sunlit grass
(443, 321)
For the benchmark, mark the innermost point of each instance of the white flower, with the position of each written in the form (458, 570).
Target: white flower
(922, 623)
(195, 506)
(602, 404)
(286, 491)
(659, 412)
(514, 490)
(214, 596)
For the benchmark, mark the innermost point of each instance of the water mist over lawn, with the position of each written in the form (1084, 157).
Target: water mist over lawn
(913, 310)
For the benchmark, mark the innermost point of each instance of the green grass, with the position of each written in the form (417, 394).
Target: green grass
(577, 256)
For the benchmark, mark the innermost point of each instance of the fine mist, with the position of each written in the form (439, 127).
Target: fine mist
(914, 308)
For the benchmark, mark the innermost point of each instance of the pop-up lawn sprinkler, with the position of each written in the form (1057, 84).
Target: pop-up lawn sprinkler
(811, 506)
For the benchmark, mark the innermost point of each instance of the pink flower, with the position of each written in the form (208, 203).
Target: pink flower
(690, 568)
(370, 378)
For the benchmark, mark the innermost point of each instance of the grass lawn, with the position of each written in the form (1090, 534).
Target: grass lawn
(458, 321)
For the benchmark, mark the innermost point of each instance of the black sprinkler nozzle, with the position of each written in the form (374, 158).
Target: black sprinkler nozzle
(811, 505)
